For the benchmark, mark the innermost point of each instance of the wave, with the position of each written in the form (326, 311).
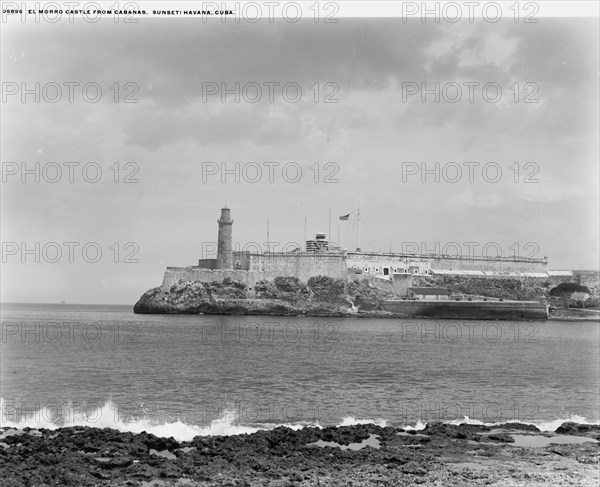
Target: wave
(105, 416)
(545, 426)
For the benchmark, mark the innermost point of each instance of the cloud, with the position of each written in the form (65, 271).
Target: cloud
(368, 133)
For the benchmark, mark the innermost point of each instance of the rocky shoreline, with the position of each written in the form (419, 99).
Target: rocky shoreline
(284, 296)
(360, 455)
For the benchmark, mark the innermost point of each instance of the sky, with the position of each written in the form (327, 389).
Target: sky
(366, 147)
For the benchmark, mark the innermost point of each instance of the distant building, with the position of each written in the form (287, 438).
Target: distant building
(438, 293)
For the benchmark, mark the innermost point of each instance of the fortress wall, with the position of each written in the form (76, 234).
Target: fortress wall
(590, 279)
(241, 260)
(447, 263)
(376, 263)
(207, 263)
(374, 259)
(495, 265)
(174, 274)
(301, 265)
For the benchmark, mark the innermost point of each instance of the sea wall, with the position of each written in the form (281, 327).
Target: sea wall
(479, 310)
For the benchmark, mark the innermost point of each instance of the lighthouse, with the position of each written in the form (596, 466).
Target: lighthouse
(225, 240)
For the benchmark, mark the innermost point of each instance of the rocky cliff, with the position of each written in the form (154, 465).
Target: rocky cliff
(319, 296)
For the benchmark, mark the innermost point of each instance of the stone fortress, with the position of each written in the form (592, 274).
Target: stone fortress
(395, 272)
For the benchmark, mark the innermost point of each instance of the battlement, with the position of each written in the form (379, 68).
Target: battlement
(446, 262)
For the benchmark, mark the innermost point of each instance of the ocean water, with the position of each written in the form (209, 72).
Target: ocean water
(181, 376)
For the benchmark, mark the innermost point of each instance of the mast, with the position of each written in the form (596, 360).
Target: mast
(304, 233)
(268, 247)
(329, 231)
(358, 229)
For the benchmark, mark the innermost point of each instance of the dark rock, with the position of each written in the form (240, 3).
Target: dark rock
(518, 426)
(413, 469)
(278, 457)
(570, 428)
(501, 438)
(328, 289)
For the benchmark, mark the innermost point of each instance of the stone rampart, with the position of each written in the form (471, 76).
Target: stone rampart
(302, 265)
(445, 262)
(174, 274)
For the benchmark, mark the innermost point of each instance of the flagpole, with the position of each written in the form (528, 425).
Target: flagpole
(339, 238)
(358, 229)
(268, 235)
(329, 231)
(304, 233)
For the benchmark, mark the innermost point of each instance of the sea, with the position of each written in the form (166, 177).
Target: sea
(187, 375)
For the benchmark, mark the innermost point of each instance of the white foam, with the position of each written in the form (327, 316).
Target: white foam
(106, 416)
(352, 421)
(417, 427)
(546, 426)
(552, 425)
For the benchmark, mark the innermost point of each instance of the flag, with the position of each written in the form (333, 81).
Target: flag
(345, 217)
